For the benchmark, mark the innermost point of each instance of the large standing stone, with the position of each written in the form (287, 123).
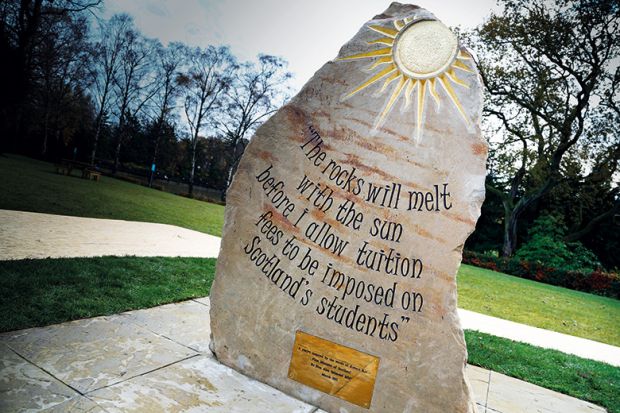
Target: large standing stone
(345, 225)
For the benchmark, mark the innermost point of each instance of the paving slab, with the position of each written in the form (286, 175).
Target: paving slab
(93, 353)
(203, 301)
(479, 380)
(24, 386)
(79, 404)
(35, 235)
(186, 323)
(509, 395)
(198, 384)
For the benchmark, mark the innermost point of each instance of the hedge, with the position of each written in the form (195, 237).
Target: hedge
(597, 282)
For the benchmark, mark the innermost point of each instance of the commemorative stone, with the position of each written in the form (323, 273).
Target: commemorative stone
(345, 224)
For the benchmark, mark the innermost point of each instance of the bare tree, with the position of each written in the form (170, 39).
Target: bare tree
(135, 83)
(203, 83)
(61, 71)
(106, 62)
(168, 61)
(20, 34)
(548, 69)
(257, 91)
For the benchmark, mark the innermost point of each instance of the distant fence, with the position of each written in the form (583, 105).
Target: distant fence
(178, 188)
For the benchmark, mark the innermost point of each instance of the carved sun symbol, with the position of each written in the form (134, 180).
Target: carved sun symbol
(419, 54)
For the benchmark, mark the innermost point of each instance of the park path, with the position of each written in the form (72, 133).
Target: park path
(34, 235)
(158, 360)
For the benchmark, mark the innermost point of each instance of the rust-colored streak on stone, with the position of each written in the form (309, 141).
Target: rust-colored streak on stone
(266, 156)
(479, 149)
(280, 219)
(426, 234)
(355, 161)
(459, 218)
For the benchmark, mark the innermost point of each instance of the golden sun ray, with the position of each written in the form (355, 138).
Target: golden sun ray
(408, 90)
(448, 88)
(384, 40)
(392, 99)
(389, 80)
(421, 93)
(384, 30)
(378, 76)
(380, 61)
(407, 63)
(380, 52)
(434, 93)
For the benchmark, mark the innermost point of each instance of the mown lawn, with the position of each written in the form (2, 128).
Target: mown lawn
(540, 305)
(42, 292)
(31, 185)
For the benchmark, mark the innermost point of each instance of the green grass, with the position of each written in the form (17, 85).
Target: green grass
(30, 185)
(540, 305)
(42, 292)
(589, 380)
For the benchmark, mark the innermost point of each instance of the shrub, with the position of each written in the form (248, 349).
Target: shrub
(546, 245)
(592, 281)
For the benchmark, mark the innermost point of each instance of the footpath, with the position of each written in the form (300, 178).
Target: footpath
(34, 235)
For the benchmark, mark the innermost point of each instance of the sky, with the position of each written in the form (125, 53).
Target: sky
(307, 33)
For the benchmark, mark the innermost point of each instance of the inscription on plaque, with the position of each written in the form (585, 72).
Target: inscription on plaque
(334, 369)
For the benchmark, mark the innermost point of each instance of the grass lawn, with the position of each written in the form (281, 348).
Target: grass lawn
(31, 185)
(540, 305)
(589, 380)
(42, 292)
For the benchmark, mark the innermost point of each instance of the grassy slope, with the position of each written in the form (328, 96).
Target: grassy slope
(540, 305)
(42, 292)
(30, 185)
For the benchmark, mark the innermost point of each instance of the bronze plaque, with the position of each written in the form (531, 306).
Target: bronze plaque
(334, 369)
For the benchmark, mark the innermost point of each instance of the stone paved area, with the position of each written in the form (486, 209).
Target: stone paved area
(34, 235)
(157, 360)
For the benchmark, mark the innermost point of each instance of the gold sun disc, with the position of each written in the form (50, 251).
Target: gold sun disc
(425, 49)
(414, 55)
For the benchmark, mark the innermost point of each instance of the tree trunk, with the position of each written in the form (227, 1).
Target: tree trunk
(117, 154)
(96, 138)
(191, 170)
(152, 175)
(45, 133)
(511, 220)
(155, 150)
